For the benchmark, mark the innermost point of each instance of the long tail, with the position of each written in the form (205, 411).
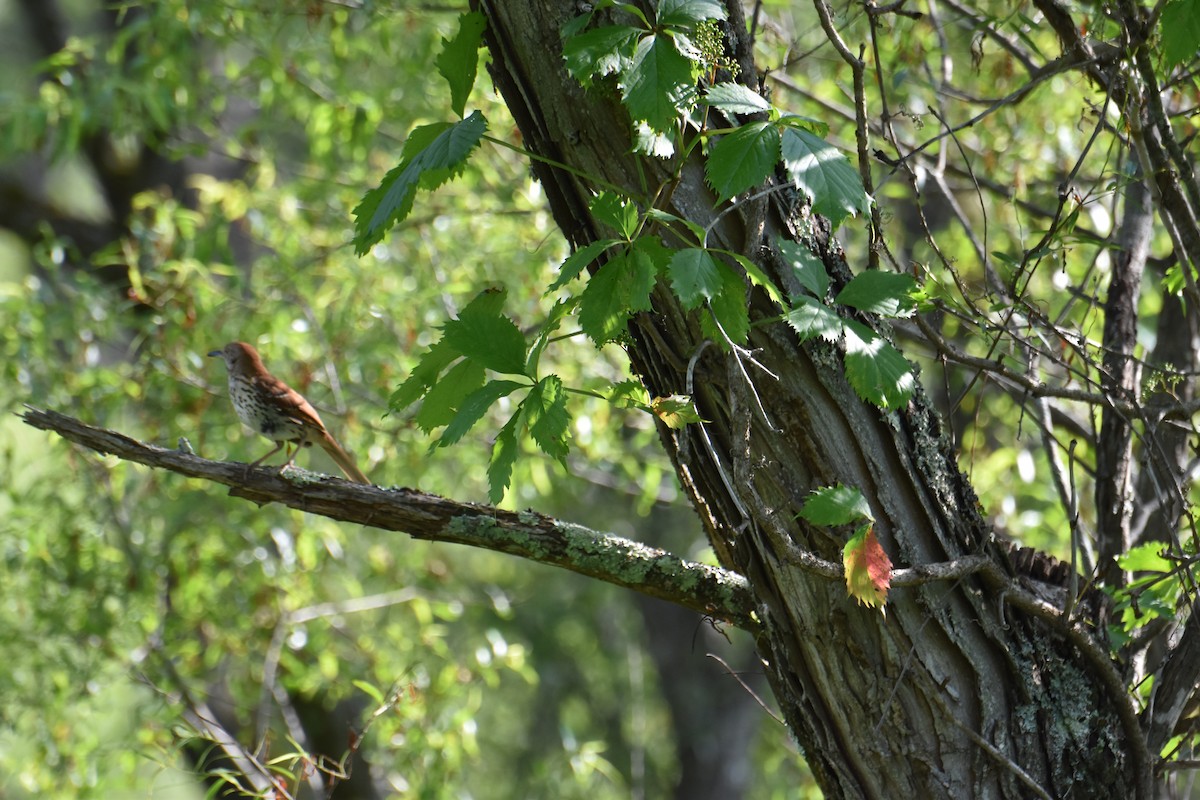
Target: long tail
(342, 458)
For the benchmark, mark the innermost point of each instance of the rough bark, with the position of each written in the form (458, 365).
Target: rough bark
(955, 692)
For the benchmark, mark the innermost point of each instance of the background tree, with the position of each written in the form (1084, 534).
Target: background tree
(970, 683)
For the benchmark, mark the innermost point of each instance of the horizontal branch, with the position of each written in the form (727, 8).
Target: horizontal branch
(712, 591)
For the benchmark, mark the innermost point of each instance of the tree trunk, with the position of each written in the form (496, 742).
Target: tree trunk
(957, 691)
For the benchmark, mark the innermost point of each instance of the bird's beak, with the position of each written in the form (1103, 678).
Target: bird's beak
(216, 353)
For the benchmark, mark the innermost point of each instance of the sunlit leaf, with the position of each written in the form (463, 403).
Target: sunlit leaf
(546, 413)
(473, 407)
(432, 155)
(836, 505)
(658, 82)
(886, 293)
(824, 173)
(876, 370)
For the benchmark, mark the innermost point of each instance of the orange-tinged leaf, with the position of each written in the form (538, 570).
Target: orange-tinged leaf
(868, 568)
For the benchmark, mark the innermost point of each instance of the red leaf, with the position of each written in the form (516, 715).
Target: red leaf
(868, 568)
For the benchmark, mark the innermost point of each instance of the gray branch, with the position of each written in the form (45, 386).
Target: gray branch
(715, 592)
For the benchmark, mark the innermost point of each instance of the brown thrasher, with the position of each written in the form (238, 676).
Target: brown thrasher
(269, 406)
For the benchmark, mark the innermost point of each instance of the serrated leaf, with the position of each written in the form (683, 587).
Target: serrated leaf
(735, 99)
(868, 568)
(560, 310)
(756, 275)
(651, 142)
(1145, 558)
(811, 318)
(493, 340)
(658, 82)
(876, 370)
(824, 173)
(886, 293)
(688, 12)
(578, 261)
(613, 294)
(806, 266)
(432, 155)
(619, 213)
(602, 51)
(814, 126)
(448, 393)
(546, 412)
(658, 215)
(742, 159)
(504, 455)
(629, 394)
(473, 407)
(432, 362)
(694, 276)
(729, 309)
(836, 505)
(675, 411)
(459, 59)
(1180, 31)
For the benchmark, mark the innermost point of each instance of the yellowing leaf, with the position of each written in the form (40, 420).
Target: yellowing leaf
(675, 411)
(868, 568)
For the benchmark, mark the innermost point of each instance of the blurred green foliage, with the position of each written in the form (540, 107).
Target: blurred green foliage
(126, 594)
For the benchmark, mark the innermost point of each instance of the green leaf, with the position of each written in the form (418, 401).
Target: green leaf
(578, 261)
(806, 266)
(371, 691)
(824, 173)
(448, 393)
(434, 360)
(658, 215)
(675, 411)
(1145, 558)
(658, 82)
(814, 126)
(1180, 31)
(729, 309)
(743, 159)
(836, 505)
(651, 142)
(493, 340)
(885, 293)
(756, 275)
(735, 99)
(599, 52)
(876, 370)
(629, 394)
(619, 213)
(432, 155)
(687, 12)
(613, 294)
(504, 455)
(812, 318)
(473, 407)
(552, 323)
(459, 59)
(694, 276)
(546, 411)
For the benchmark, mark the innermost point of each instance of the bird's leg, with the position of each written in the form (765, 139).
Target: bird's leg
(278, 447)
(291, 459)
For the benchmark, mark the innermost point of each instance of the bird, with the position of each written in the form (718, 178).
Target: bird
(270, 407)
